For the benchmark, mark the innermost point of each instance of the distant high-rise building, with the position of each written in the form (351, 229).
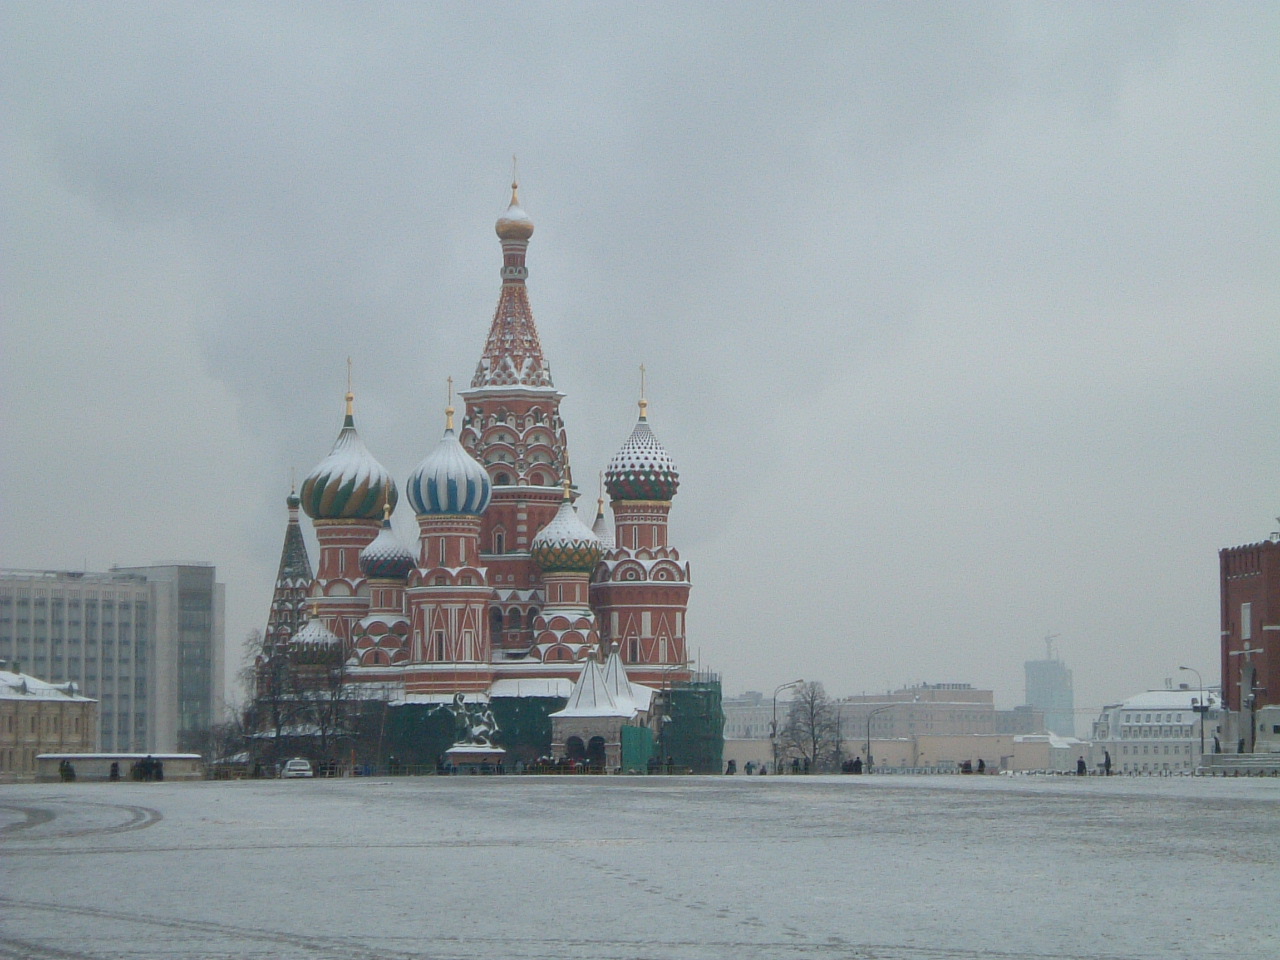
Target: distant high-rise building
(146, 642)
(1049, 689)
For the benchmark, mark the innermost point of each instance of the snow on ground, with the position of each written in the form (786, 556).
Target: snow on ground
(680, 868)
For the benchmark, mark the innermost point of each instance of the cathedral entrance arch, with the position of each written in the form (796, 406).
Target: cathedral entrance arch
(575, 749)
(595, 752)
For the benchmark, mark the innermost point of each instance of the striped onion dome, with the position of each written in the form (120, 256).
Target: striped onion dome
(386, 558)
(565, 545)
(449, 480)
(642, 469)
(348, 484)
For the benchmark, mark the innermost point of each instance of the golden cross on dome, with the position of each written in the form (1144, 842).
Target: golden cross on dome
(644, 404)
(448, 411)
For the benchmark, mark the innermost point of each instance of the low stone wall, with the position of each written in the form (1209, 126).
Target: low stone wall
(97, 766)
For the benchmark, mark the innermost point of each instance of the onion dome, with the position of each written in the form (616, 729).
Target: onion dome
(515, 224)
(315, 634)
(642, 469)
(386, 558)
(449, 480)
(565, 545)
(348, 484)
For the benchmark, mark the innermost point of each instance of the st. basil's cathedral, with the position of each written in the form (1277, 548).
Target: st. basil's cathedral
(507, 593)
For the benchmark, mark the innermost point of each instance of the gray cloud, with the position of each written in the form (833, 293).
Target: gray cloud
(960, 320)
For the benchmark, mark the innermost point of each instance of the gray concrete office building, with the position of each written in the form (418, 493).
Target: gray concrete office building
(147, 642)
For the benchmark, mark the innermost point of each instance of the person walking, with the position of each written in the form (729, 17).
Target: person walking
(1106, 762)
(1081, 767)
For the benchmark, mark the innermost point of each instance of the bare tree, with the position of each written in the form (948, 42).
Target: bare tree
(811, 733)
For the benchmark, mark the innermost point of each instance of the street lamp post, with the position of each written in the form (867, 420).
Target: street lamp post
(773, 726)
(888, 706)
(1201, 707)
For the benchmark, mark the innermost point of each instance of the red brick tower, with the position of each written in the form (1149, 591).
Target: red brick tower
(381, 637)
(512, 426)
(1250, 591)
(640, 589)
(449, 593)
(566, 552)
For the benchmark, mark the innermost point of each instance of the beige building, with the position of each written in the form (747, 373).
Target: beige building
(932, 709)
(38, 717)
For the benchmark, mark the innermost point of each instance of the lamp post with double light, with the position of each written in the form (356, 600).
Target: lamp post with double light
(773, 726)
(1201, 706)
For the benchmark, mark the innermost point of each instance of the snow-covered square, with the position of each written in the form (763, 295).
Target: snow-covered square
(881, 867)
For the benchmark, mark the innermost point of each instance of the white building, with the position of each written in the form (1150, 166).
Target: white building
(146, 642)
(1156, 732)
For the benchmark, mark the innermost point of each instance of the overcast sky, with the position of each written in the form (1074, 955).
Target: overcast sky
(960, 321)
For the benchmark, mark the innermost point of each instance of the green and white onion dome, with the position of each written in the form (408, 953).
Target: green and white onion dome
(449, 480)
(348, 484)
(642, 469)
(386, 558)
(566, 545)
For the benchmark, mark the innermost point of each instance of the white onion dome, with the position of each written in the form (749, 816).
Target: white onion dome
(642, 469)
(515, 224)
(565, 545)
(316, 635)
(449, 480)
(348, 484)
(386, 558)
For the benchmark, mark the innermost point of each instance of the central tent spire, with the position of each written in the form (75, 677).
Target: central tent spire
(513, 354)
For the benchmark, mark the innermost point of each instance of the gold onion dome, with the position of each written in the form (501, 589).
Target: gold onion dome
(566, 545)
(348, 484)
(515, 224)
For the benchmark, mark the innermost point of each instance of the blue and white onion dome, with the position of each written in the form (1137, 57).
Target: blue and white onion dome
(348, 484)
(386, 558)
(449, 480)
(642, 469)
(566, 545)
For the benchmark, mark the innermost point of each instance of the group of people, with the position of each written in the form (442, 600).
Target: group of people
(147, 770)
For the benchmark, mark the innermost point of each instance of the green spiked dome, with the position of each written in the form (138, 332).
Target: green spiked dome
(566, 545)
(348, 484)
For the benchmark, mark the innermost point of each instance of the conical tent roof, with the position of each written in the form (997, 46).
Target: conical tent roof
(591, 697)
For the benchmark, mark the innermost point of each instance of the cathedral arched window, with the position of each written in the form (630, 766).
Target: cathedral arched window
(495, 622)
(499, 541)
(513, 619)
(501, 480)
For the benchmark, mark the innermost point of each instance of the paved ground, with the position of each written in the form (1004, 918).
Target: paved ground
(895, 868)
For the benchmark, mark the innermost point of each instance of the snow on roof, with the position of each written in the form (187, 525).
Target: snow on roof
(532, 687)
(1162, 700)
(22, 686)
(616, 682)
(591, 696)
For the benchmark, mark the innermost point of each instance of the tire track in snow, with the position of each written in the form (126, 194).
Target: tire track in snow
(136, 818)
